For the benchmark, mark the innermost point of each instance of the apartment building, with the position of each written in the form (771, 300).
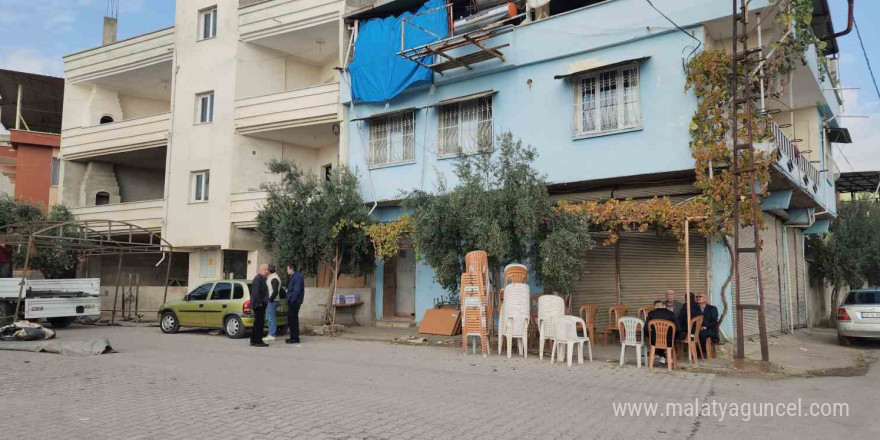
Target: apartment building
(171, 130)
(598, 87)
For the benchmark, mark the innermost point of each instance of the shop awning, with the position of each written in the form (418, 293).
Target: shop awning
(385, 114)
(462, 98)
(838, 135)
(600, 65)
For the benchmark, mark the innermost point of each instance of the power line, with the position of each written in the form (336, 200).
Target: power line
(867, 61)
(699, 43)
(845, 158)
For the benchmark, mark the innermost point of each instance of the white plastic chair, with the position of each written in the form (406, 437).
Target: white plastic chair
(566, 333)
(514, 323)
(632, 331)
(549, 307)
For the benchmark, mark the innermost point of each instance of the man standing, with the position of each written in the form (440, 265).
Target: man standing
(5, 260)
(295, 293)
(259, 298)
(273, 284)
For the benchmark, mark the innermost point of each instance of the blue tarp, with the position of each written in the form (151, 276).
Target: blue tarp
(377, 72)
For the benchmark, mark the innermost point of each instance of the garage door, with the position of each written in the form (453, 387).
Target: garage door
(652, 264)
(770, 263)
(748, 278)
(599, 284)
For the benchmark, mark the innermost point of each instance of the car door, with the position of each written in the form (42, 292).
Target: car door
(218, 304)
(192, 312)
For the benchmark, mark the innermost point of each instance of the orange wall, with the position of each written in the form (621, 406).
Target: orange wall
(33, 175)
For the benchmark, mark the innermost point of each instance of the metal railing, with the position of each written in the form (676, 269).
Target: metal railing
(792, 158)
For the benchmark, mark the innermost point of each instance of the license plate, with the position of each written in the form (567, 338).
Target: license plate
(870, 314)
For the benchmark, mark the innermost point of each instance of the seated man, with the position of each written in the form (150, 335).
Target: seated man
(660, 312)
(710, 321)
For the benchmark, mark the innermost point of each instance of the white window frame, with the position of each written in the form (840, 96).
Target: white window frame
(463, 126)
(203, 99)
(589, 117)
(392, 139)
(208, 30)
(200, 186)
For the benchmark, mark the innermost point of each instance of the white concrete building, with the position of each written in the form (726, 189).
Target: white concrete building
(171, 130)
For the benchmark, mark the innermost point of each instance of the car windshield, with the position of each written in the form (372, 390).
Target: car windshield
(863, 297)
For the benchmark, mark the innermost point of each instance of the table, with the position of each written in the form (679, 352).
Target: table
(351, 307)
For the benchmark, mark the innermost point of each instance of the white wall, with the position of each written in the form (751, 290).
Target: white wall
(138, 107)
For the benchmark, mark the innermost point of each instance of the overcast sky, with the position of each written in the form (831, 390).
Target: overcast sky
(37, 33)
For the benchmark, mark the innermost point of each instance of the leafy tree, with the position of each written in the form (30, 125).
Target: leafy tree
(308, 220)
(501, 205)
(55, 262)
(849, 255)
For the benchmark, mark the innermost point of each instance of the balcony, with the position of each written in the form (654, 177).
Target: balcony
(279, 111)
(123, 56)
(116, 137)
(244, 207)
(262, 21)
(147, 214)
(813, 188)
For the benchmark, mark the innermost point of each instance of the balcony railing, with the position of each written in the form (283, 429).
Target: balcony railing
(148, 214)
(244, 208)
(115, 137)
(260, 19)
(795, 163)
(122, 56)
(306, 106)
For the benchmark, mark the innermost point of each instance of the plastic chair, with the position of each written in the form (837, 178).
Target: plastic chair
(478, 262)
(661, 329)
(614, 313)
(515, 273)
(589, 313)
(566, 333)
(631, 335)
(549, 308)
(515, 319)
(473, 313)
(692, 339)
(642, 313)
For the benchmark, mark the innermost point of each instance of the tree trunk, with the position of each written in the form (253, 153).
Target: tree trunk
(330, 317)
(835, 293)
(726, 282)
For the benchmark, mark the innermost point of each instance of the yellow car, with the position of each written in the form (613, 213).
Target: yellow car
(219, 304)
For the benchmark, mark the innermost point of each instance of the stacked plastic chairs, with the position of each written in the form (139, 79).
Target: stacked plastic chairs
(477, 262)
(473, 312)
(514, 323)
(515, 273)
(550, 307)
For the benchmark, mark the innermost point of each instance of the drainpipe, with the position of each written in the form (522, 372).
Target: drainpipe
(849, 23)
(174, 68)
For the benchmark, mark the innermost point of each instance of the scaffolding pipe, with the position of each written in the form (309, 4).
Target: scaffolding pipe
(116, 294)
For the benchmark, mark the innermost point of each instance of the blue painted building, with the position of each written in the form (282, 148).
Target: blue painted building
(598, 88)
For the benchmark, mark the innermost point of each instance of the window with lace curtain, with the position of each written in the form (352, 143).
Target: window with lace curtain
(607, 101)
(465, 127)
(391, 139)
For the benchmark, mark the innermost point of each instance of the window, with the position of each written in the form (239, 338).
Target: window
(239, 291)
(328, 171)
(863, 297)
(205, 107)
(391, 139)
(102, 198)
(222, 291)
(200, 183)
(201, 292)
(607, 101)
(465, 127)
(56, 169)
(106, 119)
(208, 23)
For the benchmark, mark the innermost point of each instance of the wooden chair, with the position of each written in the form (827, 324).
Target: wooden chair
(614, 313)
(589, 314)
(642, 313)
(693, 339)
(661, 329)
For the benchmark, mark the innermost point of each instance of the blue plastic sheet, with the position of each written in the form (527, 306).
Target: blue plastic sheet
(377, 72)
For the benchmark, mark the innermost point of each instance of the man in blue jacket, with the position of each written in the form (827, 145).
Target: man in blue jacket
(295, 292)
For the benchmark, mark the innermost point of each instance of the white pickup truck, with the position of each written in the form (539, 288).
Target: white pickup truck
(57, 301)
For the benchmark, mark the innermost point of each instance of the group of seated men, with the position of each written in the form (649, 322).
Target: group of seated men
(675, 311)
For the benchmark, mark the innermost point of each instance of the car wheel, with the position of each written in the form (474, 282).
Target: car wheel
(843, 340)
(234, 327)
(61, 322)
(169, 323)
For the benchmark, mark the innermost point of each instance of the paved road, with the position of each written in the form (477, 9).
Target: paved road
(196, 386)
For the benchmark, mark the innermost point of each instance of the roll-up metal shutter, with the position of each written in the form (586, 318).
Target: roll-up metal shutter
(748, 277)
(801, 274)
(652, 264)
(599, 284)
(784, 279)
(770, 264)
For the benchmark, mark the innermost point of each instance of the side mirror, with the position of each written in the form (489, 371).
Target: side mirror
(186, 297)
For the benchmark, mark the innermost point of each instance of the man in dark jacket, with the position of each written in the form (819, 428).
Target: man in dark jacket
(710, 321)
(259, 300)
(295, 292)
(5, 260)
(660, 312)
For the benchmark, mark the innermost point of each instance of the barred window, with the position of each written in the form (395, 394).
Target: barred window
(607, 101)
(391, 139)
(465, 127)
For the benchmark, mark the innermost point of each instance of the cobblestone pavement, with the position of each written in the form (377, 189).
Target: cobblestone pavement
(197, 386)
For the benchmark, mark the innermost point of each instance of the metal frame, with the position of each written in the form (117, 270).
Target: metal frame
(89, 238)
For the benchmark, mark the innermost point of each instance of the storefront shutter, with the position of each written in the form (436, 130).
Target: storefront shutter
(599, 285)
(770, 263)
(748, 276)
(801, 275)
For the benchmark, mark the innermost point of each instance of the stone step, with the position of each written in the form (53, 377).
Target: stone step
(395, 323)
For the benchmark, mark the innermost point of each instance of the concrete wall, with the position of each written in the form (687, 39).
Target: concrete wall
(32, 181)
(315, 305)
(137, 184)
(138, 107)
